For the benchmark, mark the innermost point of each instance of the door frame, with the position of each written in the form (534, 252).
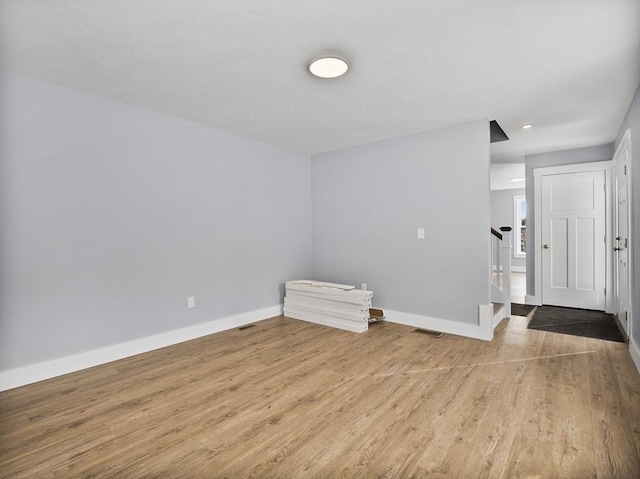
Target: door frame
(625, 142)
(538, 173)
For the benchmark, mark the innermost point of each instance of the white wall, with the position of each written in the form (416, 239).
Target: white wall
(112, 215)
(369, 201)
(502, 215)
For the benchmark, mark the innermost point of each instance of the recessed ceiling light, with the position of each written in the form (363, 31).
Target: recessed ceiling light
(328, 66)
(527, 126)
(517, 179)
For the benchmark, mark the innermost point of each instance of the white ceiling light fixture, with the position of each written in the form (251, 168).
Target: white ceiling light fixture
(328, 66)
(527, 126)
(516, 179)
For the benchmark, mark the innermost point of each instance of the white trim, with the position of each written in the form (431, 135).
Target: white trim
(498, 295)
(514, 269)
(49, 369)
(499, 316)
(574, 168)
(609, 196)
(537, 239)
(625, 142)
(538, 173)
(475, 331)
(517, 199)
(532, 300)
(631, 253)
(634, 350)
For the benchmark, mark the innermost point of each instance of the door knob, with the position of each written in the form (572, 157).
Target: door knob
(616, 249)
(546, 246)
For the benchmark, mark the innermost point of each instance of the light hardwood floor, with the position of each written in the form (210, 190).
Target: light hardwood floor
(288, 399)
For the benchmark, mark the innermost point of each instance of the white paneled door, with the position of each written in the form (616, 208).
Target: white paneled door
(573, 239)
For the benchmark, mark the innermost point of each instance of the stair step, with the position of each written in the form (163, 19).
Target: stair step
(497, 307)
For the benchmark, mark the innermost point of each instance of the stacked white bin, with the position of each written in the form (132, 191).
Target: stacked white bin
(336, 305)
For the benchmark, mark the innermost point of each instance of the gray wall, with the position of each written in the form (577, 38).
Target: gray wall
(112, 215)
(369, 201)
(543, 160)
(502, 214)
(632, 121)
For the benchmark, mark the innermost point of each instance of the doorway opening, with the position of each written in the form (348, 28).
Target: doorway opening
(572, 236)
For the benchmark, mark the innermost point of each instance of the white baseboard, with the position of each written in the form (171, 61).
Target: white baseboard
(505, 312)
(440, 325)
(37, 372)
(532, 300)
(634, 350)
(485, 321)
(514, 269)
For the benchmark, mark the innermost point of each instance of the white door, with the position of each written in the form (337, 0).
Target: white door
(621, 243)
(573, 239)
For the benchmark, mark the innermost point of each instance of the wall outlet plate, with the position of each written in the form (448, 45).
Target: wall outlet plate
(191, 302)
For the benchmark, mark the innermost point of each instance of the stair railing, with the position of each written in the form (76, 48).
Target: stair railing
(501, 268)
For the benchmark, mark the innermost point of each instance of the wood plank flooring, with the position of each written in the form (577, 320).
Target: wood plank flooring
(289, 399)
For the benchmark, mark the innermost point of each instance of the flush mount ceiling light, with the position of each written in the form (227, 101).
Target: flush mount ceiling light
(328, 66)
(517, 179)
(527, 126)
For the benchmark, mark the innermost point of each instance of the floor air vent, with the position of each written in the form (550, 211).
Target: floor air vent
(246, 326)
(435, 334)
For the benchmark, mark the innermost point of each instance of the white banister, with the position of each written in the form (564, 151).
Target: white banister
(496, 246)
(501, 249)
(507, 247)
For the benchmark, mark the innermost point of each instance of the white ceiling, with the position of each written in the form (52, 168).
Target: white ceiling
(506, 176)
(569, 67)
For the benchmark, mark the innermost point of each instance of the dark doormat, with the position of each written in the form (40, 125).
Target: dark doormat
(577, 322)
(521, 309)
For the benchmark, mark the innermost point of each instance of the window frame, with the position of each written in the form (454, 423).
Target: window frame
(517, 225)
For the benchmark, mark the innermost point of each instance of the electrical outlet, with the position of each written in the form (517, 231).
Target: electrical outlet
(191, 302)
(420, 233)
(364, 286)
